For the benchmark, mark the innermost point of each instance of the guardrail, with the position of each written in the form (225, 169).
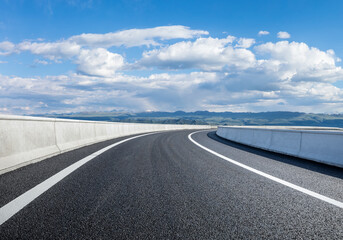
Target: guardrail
(25, 140)
(323, 145)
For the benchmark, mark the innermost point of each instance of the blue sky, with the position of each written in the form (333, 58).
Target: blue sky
(134, 55)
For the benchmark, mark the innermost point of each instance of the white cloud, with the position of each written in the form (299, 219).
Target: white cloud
(312, 92)
(3, 110)
(137, 37)
(306, 97)
(179, 81)
(207, 74)
(245, 42)
(283, 35)
(205, 53)
(6, 48)
(80, 48)
(299, 62)
(43, 62)
(99, 62)
(53, 50)
(165, 91)
(261, 33)
(153, 81)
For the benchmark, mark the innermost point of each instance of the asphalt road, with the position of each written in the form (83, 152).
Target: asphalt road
(163, 186)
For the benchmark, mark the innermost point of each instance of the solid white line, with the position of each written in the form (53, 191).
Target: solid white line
(13, 207)
(275, 179)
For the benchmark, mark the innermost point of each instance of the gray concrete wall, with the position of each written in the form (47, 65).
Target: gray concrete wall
(318, 144)
(24, 140)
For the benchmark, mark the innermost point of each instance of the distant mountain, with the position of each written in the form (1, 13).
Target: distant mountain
(212, 118)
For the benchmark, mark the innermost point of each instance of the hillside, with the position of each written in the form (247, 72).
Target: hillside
(212, 118)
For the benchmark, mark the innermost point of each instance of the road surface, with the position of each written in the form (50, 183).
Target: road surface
(164, 186)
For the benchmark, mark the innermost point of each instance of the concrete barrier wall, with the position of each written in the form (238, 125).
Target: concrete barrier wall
(318, 144)
(24, 140)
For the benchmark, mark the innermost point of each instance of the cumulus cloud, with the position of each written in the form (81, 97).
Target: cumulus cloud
(80, 48)
(99, 62)
(301, 96)
(6, 48)
(245, 42)
(137, 37)
(122, 92)
(179, 81)
(283, 35)
(261, 33)
(129, 38)
(53, 50)
(203, 53)
(208, 73)
(312, 92)
(163, 91)
(299, 62)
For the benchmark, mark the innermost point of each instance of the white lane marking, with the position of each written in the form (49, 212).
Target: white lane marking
(13, 207)
(275, 179)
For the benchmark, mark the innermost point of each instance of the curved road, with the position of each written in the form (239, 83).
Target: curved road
(163, 186)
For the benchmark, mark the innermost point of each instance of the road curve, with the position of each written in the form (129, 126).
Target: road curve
(163, 186)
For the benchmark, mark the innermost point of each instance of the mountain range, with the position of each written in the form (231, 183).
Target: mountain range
(211, 118)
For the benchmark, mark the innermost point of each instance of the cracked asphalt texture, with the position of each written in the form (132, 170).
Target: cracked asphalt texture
(162, 186)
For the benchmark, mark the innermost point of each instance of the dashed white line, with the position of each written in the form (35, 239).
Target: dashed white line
(275, 179)
(13, 207)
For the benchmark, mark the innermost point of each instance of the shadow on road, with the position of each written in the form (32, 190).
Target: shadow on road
(299, 162)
